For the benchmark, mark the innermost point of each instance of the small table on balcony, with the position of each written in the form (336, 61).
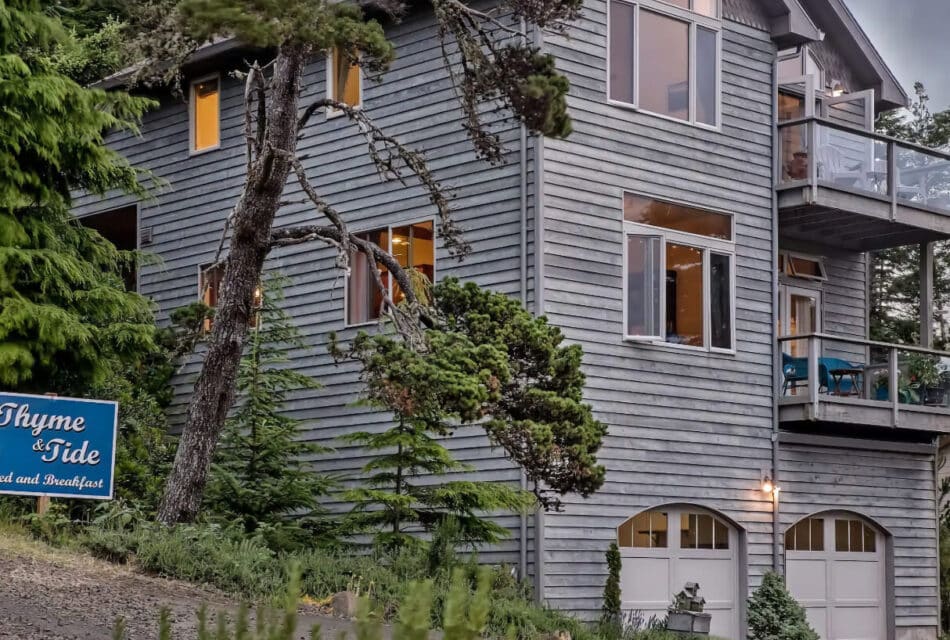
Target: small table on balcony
(838, 376)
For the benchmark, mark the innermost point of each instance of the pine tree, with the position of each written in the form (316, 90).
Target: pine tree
(775, 615)
(486, 360)
(65, 316)
(405, 484)
(260, 478)
(610, 613)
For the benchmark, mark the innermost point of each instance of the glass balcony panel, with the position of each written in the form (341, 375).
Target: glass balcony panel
(846, 159)
(793, 150)
(923, 178)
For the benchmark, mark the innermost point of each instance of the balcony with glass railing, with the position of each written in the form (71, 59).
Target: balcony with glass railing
(838, 381)
(859, 190)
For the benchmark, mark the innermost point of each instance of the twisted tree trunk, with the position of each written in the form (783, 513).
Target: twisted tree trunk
(252, 221)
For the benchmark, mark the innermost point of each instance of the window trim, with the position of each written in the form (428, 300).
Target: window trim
(708, 246)
(789, 269)
(674, 547)
(694, 20)
(193, 116)
(388, 228)
(331, 86)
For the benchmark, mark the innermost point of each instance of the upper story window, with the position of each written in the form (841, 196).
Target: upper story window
(664, 58)
(413, 246)
(801, 266)
(205, 114)
(344, 80)
(680, 274)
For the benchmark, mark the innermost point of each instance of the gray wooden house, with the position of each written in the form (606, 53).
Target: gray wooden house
(703, 234)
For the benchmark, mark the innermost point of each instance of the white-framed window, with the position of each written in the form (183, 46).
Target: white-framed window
(679, 274)
(412, 245)
(204, 108)
(344, 80)
(806, 267)
(664, 58)
(807, 535)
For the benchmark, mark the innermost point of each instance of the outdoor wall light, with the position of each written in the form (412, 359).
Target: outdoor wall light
(768, 487)
(837, 88)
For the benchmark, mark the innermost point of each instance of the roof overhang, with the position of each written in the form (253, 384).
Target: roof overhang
(206, 58)
(791, 24)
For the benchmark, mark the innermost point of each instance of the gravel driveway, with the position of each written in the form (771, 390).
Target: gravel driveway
(50, 594)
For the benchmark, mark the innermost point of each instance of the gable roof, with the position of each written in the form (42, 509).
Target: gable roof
(860, 54)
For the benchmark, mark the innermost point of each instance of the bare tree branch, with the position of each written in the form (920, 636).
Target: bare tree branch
(396, 162)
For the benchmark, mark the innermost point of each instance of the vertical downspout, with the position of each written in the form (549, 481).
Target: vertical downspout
(776, 351)
(538, 311)
(523, 163)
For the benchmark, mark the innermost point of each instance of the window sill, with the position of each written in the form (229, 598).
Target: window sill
(626, 106)
(199, 152)
(336, 113)
(672, 346)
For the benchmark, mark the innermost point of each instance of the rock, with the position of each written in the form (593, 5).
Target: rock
(559, 635)
(344, 604)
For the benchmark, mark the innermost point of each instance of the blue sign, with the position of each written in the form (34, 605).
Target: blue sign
(59, 447)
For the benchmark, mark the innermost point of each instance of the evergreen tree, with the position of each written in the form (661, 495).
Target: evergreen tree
(65, 316)
(486, 360)
(610, 613)
(429, 395)
(260, 478)
(775, 615)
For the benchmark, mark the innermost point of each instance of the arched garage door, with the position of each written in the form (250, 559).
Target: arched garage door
(835, 568)
(663, 549)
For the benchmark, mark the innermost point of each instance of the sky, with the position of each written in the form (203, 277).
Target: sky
(913, 38)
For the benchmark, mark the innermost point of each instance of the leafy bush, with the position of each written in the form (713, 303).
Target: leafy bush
(775, 615)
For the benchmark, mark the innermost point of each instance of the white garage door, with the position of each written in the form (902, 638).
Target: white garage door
(662, 550)
(835, 569)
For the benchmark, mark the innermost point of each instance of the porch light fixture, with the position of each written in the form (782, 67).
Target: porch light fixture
(837, 88)
(768, 487)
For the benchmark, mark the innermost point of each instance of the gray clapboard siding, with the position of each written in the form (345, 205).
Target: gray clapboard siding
(416, 102)
(894, 489)
(683, 426)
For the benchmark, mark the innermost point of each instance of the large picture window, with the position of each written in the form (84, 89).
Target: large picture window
(680, 274)
(664, 58)
(413, 246)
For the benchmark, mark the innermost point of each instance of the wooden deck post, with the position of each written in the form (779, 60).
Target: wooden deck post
(926, 295)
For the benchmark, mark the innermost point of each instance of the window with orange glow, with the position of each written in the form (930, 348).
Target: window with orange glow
(413, 247)
(345, 85)
(679, 276)
(205, 114)
(210, 280)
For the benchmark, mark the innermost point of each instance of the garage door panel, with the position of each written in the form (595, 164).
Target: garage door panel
(856, 624)
(639, 593)
(856, 582)
(818, 619)
(716, 579)
(806, 579)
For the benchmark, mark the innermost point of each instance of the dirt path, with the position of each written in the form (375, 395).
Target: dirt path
(50, 594)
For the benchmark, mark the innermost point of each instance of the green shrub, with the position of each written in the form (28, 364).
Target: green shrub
(775, 615)
(210, 554)
(611, 609)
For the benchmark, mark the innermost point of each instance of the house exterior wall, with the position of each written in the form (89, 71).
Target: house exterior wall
(683, 426)
(892, 487)
(415, 102)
